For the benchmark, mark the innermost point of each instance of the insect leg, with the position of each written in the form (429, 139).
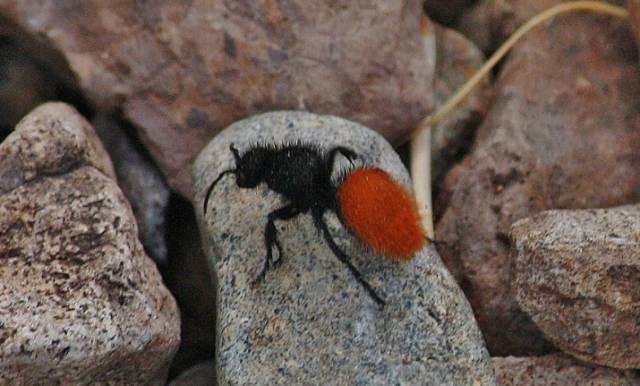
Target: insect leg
(344, 258)
(271, 236)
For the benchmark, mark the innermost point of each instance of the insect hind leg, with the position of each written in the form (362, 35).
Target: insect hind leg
(271, 237)
(344, 258)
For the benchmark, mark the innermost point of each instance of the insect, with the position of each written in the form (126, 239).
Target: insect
(374, 207)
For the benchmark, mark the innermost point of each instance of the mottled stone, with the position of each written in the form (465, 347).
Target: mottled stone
(203, 374)
(457, 59)
(141, 182)
(309, 321)
(476, 23)
(577, 274)
(52, 140)
(445, 11)
(563, 132)
(182, 71)
(80, 303)
(634, 18)
(508, 15)
(558, 369)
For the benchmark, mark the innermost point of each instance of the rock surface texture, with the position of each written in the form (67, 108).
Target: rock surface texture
(560, 370)
(182, 71)
(634, 12)
(457, 60)
(563, 132)
(577, 274)
(309, 321)
(445, 11)
(141, 182)
(80, 302)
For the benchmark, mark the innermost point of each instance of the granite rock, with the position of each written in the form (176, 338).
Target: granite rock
(80, 302)
(563, 132)
(577, 274)
(309, 321)
(182, 71)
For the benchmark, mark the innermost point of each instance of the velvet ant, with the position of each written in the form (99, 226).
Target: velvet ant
(367, 200)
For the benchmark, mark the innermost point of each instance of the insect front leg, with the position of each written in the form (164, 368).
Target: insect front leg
(271, 236)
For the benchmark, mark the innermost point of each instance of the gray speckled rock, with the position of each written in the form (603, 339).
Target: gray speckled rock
(80, 303)
(577, 274)
(309, 321)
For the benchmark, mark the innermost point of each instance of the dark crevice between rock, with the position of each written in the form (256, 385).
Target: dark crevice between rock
(31, 73)
(140, 180)
(188, 278)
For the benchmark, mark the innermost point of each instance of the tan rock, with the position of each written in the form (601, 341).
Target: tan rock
(183, 71)
(80, 302)
(563, 133)
(577, 274)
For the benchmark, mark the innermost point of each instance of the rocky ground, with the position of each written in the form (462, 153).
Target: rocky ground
(115, 119)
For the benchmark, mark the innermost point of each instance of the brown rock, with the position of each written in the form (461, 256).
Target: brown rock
(508, 15)
(558, 369)
(183, 71)
(476, 23)
(564, 132)
(80, 303)
(457, 60)
(634, 13)
(445, 11)
(577, 274)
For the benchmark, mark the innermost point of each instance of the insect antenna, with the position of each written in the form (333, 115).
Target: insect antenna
(206, 198)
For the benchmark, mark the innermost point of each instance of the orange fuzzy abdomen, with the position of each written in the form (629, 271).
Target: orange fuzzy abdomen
(381, 213)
